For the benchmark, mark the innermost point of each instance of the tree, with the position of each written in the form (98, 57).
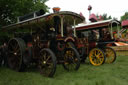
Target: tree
(104, 16)
(125, 16)
(11, 9)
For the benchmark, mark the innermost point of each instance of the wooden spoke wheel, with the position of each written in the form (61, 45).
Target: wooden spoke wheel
(110, 55)
(16, 49)
(96, 57)
(47, 62)
(71, 59)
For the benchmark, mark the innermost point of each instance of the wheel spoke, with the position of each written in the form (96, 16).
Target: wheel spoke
(48, 58)
(96, 56)
(17, 46)
(15, 53)
(110, 55)
(71, 60)
(46, 63)
(44, 56)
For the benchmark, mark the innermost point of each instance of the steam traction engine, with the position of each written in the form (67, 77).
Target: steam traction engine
(93, 40)
(42, 40)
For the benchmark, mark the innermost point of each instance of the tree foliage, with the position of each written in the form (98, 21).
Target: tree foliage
(104, 16)
(11, 9)
(125, 16)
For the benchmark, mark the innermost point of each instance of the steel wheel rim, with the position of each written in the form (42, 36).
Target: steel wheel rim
(46, 63)
(70, 59)
(15, 55)
(110, 55)
(96, 57)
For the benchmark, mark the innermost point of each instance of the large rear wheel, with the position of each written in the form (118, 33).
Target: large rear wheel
(110, 55)
(47, 62)
(71, 59)
(16, 49)
(96, 57)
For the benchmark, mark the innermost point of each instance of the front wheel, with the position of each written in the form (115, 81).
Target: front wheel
(71, 59)
(47, 62)
(96, 56)
(81, 51)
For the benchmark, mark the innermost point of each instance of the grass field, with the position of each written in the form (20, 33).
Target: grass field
(107, 74)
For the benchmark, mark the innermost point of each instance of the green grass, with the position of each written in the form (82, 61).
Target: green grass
(106, 74)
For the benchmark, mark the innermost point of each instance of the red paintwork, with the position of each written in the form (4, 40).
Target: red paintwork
(93, 18)
(81, 14)
(100, 18)
(59, 37)
(92, 26)
(80, 45)
(29, 44)
(56, 9)
(92, 44)
(124, 23)
(110, 44)
(60, 46)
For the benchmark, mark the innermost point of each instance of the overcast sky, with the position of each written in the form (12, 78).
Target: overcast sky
(115, 8)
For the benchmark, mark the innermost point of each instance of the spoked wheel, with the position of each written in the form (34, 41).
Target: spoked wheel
(110, 55)
(16, 49)
(81, 51)
(96, 57)
(47, 62)
(71, 59)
